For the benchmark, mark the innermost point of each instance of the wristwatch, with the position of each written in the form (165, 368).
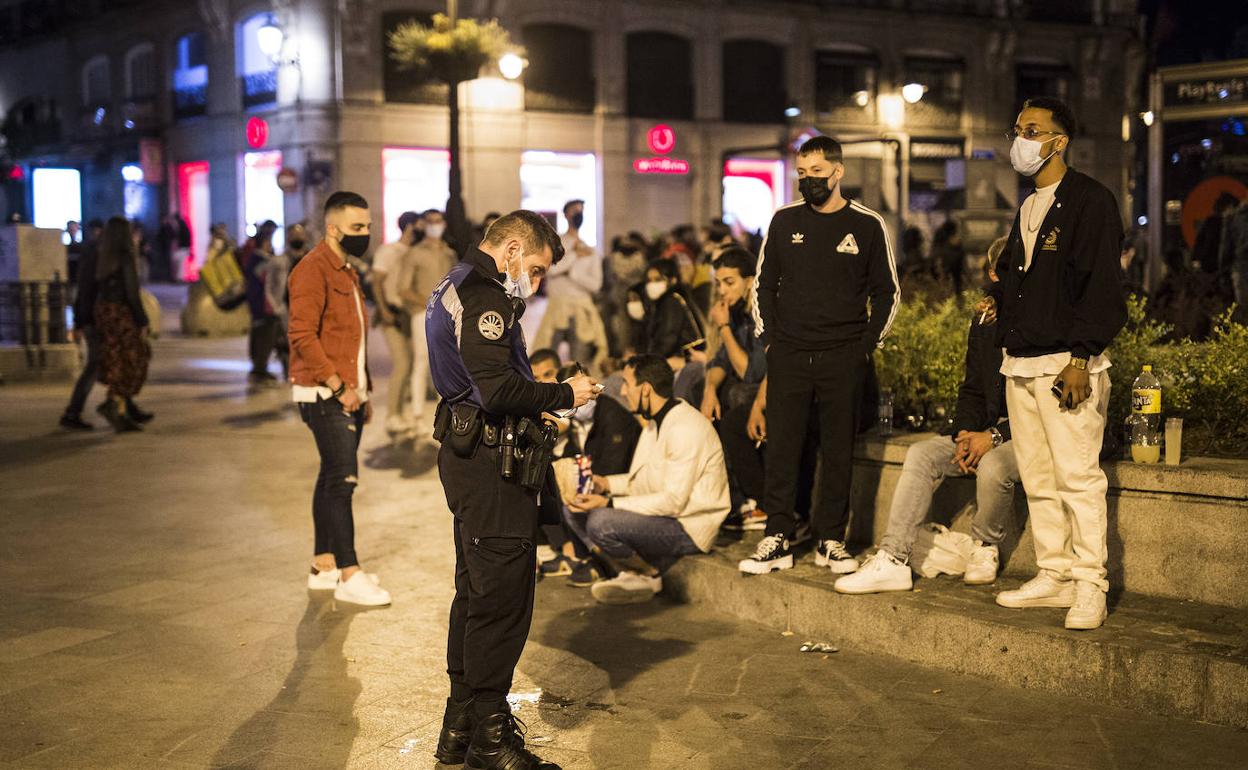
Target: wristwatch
(997, 438)
(1079, 363)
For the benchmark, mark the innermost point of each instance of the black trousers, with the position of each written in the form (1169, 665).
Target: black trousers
(828, 384)
(82, 388)
(266, 338)
(337, 437)
(495, 528)
(746, 462)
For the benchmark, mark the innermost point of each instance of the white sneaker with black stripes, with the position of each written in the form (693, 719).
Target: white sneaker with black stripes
(773, 553)
(832, 554)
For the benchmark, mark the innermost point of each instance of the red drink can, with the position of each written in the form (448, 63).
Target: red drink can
(585, 475)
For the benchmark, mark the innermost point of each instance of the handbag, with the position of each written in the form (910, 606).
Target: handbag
(224, 281)
(938, 550)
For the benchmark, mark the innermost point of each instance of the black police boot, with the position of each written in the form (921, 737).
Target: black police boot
(497, 745)
(457, 724)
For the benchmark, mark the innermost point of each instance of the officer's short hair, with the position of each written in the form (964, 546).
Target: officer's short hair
(653, 370)
(530, 228)
(738, 258)
(344, 199)
(542, 354)
(829, 147)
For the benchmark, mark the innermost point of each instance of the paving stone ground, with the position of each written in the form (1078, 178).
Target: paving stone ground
(153, 614)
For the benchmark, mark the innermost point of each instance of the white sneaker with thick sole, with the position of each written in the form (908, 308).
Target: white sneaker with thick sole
(772, 554)
(881, 572)
(544, 553)
(832, 554)
(1088, 611)
(1040, 591)
(327, 580)
(626, 588)
(360, 589)
(981, 568)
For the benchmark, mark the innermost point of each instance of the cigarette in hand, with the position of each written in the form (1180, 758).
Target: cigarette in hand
(982, 316)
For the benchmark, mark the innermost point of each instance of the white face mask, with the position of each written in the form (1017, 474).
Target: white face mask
(521, 287)
(655, 289)
(1025, 156)
(434, 231)
(636, 310)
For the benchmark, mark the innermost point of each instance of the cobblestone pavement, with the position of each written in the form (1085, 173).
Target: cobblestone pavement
(153, 614)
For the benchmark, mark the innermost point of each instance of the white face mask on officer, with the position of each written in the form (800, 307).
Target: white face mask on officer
(1025, 155)
(519, 287)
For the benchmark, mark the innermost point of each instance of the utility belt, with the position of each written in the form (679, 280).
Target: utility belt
(525, 446)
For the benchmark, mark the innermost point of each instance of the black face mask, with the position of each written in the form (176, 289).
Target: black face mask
(355, 245)
(576, 220)
(815, 189)
(296, 245)
(643, 411)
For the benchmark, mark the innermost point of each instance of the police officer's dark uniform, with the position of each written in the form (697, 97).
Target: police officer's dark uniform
(481, 370)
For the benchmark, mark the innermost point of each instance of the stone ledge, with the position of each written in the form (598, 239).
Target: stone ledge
(1173, 657)
(1198, 476)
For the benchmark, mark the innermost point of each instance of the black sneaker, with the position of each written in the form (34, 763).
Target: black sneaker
(120, 422)
(832, 554)
(457, 727)
(75, 422)
(773, 553)
(135, 413)
(584, 574)
(556, 567)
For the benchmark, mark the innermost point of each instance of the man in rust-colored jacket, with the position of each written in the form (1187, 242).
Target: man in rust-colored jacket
(330, 383)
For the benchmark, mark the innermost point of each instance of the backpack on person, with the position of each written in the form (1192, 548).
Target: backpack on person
(224, 280)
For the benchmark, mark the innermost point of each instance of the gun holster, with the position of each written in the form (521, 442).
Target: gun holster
(538, 449)
(464, 435)
(441, 420)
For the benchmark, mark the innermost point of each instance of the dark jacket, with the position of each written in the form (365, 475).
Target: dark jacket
(1071, 300)
(613, 437)
(672, 326)
(981, 397)
(122, 287)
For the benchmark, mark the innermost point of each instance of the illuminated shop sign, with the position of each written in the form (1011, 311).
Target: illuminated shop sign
(1227, 90)
(257, 133)
(661, 140)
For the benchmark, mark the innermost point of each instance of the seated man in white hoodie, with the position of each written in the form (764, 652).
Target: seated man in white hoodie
(669, 504)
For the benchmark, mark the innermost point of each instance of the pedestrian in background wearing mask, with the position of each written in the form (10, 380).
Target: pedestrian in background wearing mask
(431, 259)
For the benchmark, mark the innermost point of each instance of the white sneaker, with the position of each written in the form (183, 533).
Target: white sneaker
(881, 572)
(832, 554)
(397, 425)
(627, 588)
(1040, 591)
(327, 580)
(360, 589)
(981, 568)
(1088, 611)
(544, 554)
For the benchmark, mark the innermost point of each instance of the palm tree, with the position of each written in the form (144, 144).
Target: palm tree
(452, 51)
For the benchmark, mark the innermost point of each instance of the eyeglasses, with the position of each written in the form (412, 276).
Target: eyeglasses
(1029, 133)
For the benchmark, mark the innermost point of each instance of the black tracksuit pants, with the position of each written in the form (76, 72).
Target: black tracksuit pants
(745, 460)
(495, 526)
(825, 384)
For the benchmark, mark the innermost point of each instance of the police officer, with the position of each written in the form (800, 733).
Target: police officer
(489, 422)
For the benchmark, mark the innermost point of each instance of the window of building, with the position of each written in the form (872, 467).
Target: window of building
(413, 179)
(257, 73)
(845, 80)
(754, 82)
(262, 197)
(548, 180)
(398, 84)
(1041, 79)
(943, 79)
(141, 72)
(190, 76)
(96, 82)
(560, 75)
(660, 76)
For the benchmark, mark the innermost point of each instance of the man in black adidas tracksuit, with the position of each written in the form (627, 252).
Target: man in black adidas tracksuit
(825, 297)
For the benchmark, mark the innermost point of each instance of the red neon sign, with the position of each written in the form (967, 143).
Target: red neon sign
(662, 139)
(661, 166)
(257, 132)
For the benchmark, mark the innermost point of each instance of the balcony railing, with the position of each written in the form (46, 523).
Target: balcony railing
(190, 102)
(259, 88)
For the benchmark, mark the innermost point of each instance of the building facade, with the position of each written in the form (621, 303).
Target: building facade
(656, 112)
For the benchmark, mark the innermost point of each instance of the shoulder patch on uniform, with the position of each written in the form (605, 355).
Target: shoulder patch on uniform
(490, 324)
(848, 245)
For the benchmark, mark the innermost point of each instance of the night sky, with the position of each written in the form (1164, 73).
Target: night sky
(1192, 31)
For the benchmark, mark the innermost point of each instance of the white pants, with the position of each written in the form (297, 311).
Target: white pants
(1058, 452)
(420, 366)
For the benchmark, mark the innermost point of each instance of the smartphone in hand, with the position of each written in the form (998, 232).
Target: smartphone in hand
(1056, 390)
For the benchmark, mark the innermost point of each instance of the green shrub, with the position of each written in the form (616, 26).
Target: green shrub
(1206, 383)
